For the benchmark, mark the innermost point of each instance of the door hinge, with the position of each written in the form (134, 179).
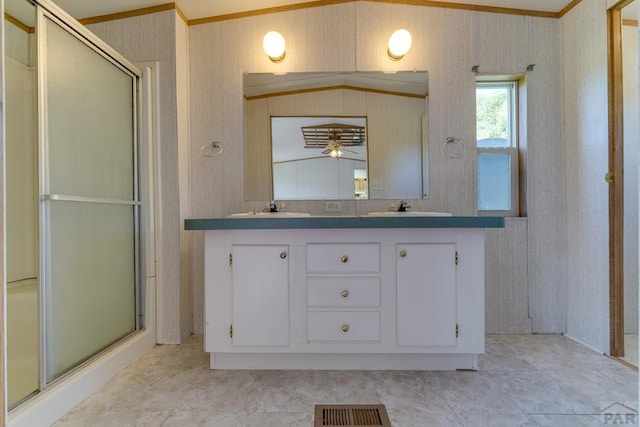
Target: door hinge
(457, 330)
(457, 258)
(230, 259)
(231, 331)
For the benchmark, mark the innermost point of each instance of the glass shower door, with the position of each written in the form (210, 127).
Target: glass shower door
(89, 198)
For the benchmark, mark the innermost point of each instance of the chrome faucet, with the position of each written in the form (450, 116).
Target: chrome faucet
(404, 205)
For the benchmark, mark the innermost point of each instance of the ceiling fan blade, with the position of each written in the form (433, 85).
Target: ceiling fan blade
(327, 151)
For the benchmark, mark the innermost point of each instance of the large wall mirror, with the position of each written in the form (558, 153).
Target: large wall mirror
(386, 159)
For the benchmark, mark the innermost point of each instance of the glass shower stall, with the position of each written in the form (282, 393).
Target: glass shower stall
(73, 206)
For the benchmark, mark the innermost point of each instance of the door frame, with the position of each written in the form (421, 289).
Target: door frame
(615, 177)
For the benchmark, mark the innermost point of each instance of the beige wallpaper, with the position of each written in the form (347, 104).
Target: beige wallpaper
(506, 284)
(586, 141)
(546, 191)
(446, 43)
(183, 115)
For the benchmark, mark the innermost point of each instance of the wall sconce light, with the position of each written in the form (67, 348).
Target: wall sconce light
(399, 44)
(273, 44)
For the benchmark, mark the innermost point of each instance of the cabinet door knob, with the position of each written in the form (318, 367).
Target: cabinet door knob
(283, 255)
(345, 328)
(345, 293)
(403, 254)
(344, 258)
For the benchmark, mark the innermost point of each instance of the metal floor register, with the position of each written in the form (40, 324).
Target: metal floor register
(351, 415)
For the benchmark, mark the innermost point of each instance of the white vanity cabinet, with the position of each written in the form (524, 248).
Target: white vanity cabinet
(370, 298)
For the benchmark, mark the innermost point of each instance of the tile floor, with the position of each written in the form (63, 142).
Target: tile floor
(523, 380)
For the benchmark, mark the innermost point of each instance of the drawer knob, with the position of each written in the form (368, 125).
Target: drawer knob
(345, 328)
(403, 254)
(344, 258)
(283, 255)
(345, 293)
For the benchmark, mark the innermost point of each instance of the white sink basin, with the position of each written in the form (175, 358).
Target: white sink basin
(253, 214)
(407, 214)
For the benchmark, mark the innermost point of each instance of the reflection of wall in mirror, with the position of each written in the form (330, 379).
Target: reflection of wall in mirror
(315, 179)
(393, 128)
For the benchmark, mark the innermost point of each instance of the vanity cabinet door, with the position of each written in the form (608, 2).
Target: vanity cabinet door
(260, 307)
(426, 294)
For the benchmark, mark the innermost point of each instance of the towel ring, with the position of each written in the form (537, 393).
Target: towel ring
(211, 150)
(455, 148)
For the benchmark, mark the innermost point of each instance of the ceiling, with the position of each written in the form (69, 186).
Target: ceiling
(195, 9)
(288, 142)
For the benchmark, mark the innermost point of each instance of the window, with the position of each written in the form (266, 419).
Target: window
(497, 143)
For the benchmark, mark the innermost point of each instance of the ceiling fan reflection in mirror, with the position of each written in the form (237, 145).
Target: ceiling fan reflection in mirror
(335, 149)
(333, 137)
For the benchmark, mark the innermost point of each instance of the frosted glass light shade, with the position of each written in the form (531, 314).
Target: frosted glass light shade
(274, 46)
(399, 44)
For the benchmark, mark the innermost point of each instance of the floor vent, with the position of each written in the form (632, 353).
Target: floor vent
(351, 415)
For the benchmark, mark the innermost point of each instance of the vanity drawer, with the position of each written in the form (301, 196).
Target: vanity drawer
(343, 326)
(343, 292)
(343, 258)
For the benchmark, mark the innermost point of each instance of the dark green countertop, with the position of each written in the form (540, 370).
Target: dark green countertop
(315, 222)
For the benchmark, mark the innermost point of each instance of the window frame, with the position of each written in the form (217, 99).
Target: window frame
(513, 149)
